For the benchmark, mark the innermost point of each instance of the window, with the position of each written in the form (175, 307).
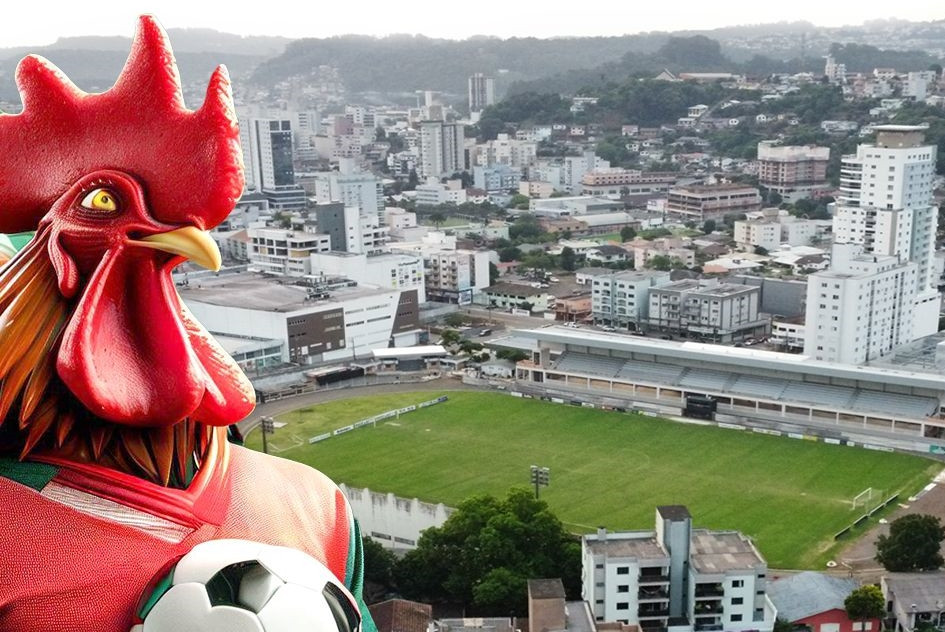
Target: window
(623, 605)
(738, 583)
(737, 601)
(735, 617)
(623, 589)
(623, 570)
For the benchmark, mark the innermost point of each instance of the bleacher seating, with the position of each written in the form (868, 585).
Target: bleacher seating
(759, 386)
(589, 364)
(667, 374)
(893, 404)
(823, 394)
(704, 379)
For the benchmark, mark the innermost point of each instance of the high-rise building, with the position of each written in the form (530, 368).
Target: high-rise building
(794, 172)
(881, 291)
(441, 149)
(886, 205)
(481, 92)
(267, 158)
(349, 230)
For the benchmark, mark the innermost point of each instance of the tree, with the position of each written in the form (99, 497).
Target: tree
(627, 233)
(865, 603)
(708, 226)
(568, 259)
(761, 251)
(493, 273)
(913, 544)
(659, 262)
(437, 218)
(514, 355)
(454, 319)
(519, 201)
(378, 570)
(483, 555)
(450, 337)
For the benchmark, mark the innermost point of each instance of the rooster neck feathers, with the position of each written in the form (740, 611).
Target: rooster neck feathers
(38, 415)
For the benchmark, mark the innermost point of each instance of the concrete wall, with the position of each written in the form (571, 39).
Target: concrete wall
(393, 521)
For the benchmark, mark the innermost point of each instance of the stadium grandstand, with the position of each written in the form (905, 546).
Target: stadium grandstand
(867, 404)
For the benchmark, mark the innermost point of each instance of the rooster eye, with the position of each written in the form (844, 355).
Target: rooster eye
(101, 200)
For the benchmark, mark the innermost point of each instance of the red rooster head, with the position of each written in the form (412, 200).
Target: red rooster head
(120, 187)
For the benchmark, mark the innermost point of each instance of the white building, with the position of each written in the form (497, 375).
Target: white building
(794, 172)
(772, 228)
(508, 151)
(481, 92)
(283, 251)
(885, 205)
(860, 309)
(350, 230)
(434, 193)
(619, 299)
(363, 191)
(321, 323)
(395, 271)
(456, 276)
(441, 149)
(696, 578)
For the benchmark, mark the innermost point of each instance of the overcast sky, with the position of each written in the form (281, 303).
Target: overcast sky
(34, 23)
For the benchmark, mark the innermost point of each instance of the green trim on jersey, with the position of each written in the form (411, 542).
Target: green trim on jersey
(29, 473)
(354, 576)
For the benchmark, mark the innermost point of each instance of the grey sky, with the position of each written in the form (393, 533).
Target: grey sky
(25, 23)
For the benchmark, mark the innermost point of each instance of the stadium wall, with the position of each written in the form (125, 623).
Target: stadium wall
(394, 522)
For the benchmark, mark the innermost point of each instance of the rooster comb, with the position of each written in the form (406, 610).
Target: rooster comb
(189, 162)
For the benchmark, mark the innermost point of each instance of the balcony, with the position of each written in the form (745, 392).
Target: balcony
(709, 590)
(654, 593)
(707, 608)
(653, 576)
(651, 613)
(708, 627)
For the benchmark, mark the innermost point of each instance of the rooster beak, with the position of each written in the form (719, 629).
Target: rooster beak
(190, 242)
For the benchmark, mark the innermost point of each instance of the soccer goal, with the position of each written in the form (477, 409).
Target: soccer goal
(865, 498)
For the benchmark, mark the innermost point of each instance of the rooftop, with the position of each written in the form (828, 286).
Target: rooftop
(714, 552)
(925, 590)
(545, 588)
(252, 291)
(641, 545)
(674, 512)
(694, 285)
(809, 593)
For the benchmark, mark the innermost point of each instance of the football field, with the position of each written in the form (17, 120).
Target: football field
(607, 468)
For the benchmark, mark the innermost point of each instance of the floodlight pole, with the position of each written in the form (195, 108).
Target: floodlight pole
(540, 477)
(267, 426)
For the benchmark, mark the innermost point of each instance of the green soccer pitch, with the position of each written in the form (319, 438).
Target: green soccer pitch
(607, 468)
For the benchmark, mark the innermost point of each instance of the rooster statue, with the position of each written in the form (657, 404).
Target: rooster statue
(114, 401)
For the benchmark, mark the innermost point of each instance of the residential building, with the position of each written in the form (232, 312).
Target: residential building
(400, 615)
(505, 150)
(616, 182)
(574, 168)
(692, 579)
(573, 308)
(717, 311)
(324, 322)
(395, 271)
(915, 601)
(606, 253)
(622, 299)
(267, 159)
(351, 187)
(441, 149)
(283, 251)
(573, 206)
(787, 336)
(794, 172)
(702, 202)
(535, 189)
(434, 193)
(861, 308)
(497, 178)
(514, 295)
(456, 276)
(764, 233)
(349, 229)
(835, 73)
(816, 601)
(885, 205)
(481, 92)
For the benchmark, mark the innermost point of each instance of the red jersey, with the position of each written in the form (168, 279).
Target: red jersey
(79, 543)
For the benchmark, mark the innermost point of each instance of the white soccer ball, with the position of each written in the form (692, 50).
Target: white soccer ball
(244, 586)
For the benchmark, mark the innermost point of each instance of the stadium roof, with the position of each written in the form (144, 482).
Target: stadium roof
(740, 358)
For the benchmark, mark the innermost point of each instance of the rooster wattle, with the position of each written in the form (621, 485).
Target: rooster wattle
(101, 361)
